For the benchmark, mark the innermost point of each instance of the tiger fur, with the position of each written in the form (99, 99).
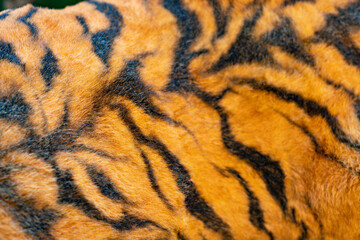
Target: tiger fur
(181, 119)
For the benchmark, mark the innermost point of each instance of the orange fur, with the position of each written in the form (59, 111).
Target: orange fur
(104, 136)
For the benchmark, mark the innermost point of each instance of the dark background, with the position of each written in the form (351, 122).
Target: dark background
(4, 4)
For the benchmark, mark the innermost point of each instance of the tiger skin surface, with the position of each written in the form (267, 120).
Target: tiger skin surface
(181, 119)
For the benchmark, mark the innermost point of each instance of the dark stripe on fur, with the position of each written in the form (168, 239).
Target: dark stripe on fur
(336, 32)
(25, 19)
(221, 18)
(104, 184)
(153, 181)
(269, 170)
(194, 203)
(34, 221)
(102, 41)
(292, 2)
(7, 53)
(5, 14)
(318, 148)
(310, 107)
(83, 23)
(285, 37)
(189, 27)
(99, 152)
(245, 49)
(13, 108)
(130, 85)
(255, 211)
(70, 194)
(49, 68)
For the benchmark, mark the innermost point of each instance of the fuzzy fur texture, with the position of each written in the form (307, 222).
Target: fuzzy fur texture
(169, 119)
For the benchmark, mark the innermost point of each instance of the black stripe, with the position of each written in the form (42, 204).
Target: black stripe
(62, 139)
(34, 221)
(102, 41)
(130, 85)
(221, 18)
(285, 37)
(269, 169)
(45, 147)
(153, 181)
(348, 49)
(255, 211)
(13, 108)
(180, 236)
(70, 194)
(316, 217)
(310, 107)
(292, 2)
(5, 14)
(337, 29)
(6, 169)
(100, 153)
(341, 87)
(104, 184)
(245, 49)
(304, 231)
(49, 68)
(7, 53)
(317, 146)
(24, 19)
(349, 92)
(83, 23)
(189, 28)
(357, 107)
(194, 203)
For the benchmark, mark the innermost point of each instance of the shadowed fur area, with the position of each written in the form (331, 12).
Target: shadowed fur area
(180, 119)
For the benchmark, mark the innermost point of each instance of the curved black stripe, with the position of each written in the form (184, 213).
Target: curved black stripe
(348, 49)
(102, 41)
(336, 32)
(24, 19)
(317, 146)
(13, 108)
(245, 49)
(34, 221)
(352, 95)
(5, 14)
(339, 86)
(310, 107)
(7, 53)
(285, 37)
(70, 194)
(130, 85)
(62, 139)
(304, 231)
(221, 18)
(194, 203)
(100, 153)
(153, 181)
(189, 27)
(45, 147)
(104, 184)
(49, 68)
(255, 211)
(270, 170)
(83, 23)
